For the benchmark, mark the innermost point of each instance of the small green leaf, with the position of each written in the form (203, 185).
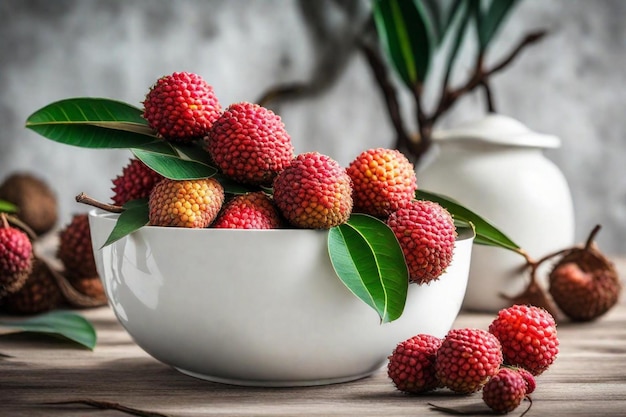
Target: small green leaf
(8, 207)
(486, 233)
(368, 259)
(405, 32)
(92, 123)
(66, 324)
(490, 21)
(134, 217)
(173, 166)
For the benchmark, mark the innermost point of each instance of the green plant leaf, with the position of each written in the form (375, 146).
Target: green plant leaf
(92, 123)
(490, 21)
(458, 29)
(486, 233)
(134, 217)
(368, 259)
(173, 166)
(8, 207)
(406, 34)
(66, 324)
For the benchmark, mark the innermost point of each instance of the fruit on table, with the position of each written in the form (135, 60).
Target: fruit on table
(505, 390)
(528, 337)
(39, 293)
(411, 365)
(467, 358)
(16, 257)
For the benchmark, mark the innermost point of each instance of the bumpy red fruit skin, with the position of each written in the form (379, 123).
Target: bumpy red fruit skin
(411, 366)
(75, 251)
(531, 384)
(16, 258)
(505, 391)
(314, 192)
(248, 211)
(528, 337)
(136, 181)
(186, 203)
(467, 359)
(181, 107)
(383, 180)
(426, 233)
(249, 144)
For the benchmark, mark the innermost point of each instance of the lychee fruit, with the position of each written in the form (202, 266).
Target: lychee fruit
(584, 283)
(528, 337)
(531, 383)
(16, 257)
(91, 287)
(185, 203)
(40, 293)
(384, 180)
(426, 233)
(135, 182)
(314, 192)
(467, 358)
(34, 199)
(505, 391)
(411, 365)
(249, 144)
(181, 107)
(75, 250)
(253, 210)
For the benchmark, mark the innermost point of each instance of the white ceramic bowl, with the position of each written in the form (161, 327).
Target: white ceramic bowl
(259, 308)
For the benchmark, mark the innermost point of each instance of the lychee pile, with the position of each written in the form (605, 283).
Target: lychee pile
(250, 146)
(502, 362)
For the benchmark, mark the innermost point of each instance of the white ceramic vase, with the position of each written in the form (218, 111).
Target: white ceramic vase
(496, 167)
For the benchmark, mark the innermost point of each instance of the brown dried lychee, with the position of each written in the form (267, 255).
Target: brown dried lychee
(40, 293)
(75, 249)
(584, 283)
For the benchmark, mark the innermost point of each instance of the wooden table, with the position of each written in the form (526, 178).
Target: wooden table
(587, 379)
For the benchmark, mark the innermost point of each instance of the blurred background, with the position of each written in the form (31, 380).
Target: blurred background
(571, 84)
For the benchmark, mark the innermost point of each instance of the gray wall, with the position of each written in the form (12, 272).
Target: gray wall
(570, 85)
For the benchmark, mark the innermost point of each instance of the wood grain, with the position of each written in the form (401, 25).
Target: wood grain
(587, 379)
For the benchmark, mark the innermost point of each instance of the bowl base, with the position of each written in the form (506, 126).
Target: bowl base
(277, 383)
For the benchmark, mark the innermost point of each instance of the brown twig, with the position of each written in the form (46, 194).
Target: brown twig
(106, 405)
(283, 92)
(85, 199)
(71, 294)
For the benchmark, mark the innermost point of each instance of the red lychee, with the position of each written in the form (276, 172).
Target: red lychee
(505, 391)
(248, 211)
(249, 144)
(384, 180)
(426, 233)
(181, 107)
(314, 192)
(136, 181)
(411, 366)
(16, 257)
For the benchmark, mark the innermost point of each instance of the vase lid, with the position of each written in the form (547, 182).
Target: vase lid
(497, 129)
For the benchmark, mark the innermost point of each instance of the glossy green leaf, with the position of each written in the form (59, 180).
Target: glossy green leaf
(458, 29)
(134, 217)
(8, 207)
(492, 19)
(173, 166)
(486, 233)
(92, 123)
(368, 259)
(405, 32)
(66, 324)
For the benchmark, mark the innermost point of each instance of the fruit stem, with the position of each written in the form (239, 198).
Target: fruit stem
(5, 222)
(592, 236)
(12, 220)
(85, 199)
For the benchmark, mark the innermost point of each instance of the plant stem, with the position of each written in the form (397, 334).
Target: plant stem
(85, 199)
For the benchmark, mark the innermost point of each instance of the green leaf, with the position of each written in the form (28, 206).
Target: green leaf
(406, 34)
(66, 324)
(134, 217)
(368, 259)
(174, 166)
(92, 123)
(490, 21)
(486, 233)
(8, 207)
(457, 27)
